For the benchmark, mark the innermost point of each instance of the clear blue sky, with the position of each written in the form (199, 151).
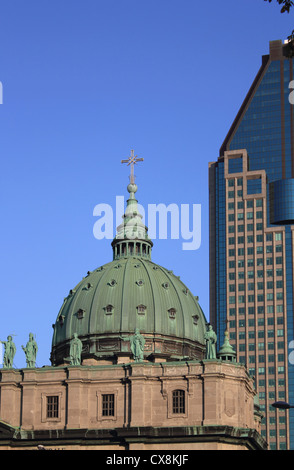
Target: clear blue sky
(83, 83)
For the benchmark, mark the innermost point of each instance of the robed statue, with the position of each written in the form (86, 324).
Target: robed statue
(9, 353)
(137, 343)
(31, 350)
(211, 339)
(75, 352)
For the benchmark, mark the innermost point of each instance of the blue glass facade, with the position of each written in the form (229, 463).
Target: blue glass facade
(281, 200)
(254, 186)
(259, 132)
(264, 127)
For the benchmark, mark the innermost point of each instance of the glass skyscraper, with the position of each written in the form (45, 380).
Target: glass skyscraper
(251, 191)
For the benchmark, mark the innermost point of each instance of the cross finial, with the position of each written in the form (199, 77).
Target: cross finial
(132, 160)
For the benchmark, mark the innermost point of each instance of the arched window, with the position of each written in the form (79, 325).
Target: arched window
(178, 401)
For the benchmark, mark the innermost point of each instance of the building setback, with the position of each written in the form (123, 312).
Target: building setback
(251, 191)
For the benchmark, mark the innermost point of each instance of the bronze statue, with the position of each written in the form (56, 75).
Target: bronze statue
(9, 353)
(137, 345)
(75, 353)
(31, 350)
(211, 339)
(137, 342)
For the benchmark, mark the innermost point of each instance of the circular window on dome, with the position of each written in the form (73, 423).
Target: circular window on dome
(140, 282)
(165, 285)
(112, 283)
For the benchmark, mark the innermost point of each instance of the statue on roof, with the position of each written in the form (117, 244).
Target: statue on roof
(10, 350)
(211, 339)
(75, 353)
(137, 343)
(31, 350)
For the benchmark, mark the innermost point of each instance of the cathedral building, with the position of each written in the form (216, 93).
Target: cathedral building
(134, 366)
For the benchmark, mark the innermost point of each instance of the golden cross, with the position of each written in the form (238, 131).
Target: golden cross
(132, 160)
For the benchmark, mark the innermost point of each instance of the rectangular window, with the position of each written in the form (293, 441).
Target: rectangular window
(52, 406)
(108, 404)
(178, 401)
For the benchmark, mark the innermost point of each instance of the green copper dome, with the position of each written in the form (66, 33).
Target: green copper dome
(131, 292)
